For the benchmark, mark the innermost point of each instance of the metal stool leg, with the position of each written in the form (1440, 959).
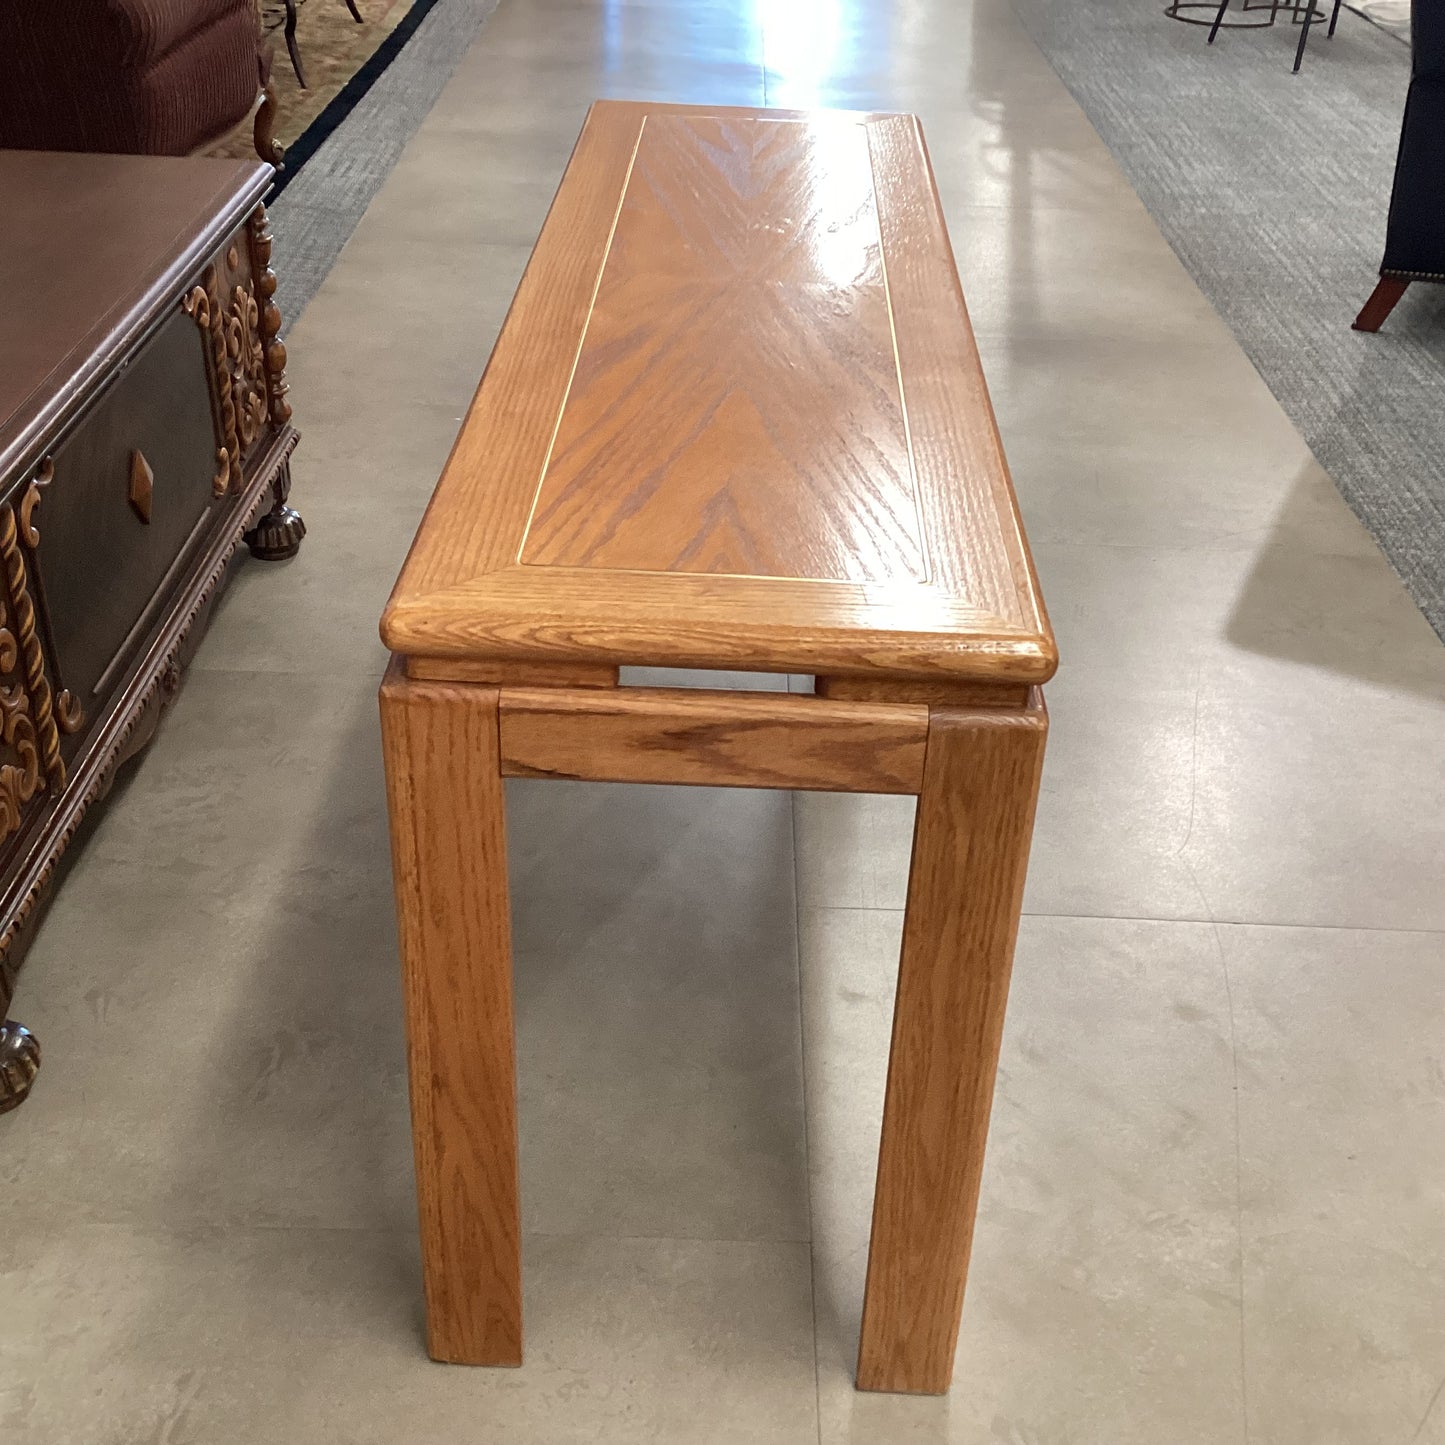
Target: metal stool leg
(1304, 35)
(1334, 20)
(292, 49)
(1218, 20)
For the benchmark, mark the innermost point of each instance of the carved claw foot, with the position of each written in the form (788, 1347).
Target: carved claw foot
(277, 535)
(19, 1064)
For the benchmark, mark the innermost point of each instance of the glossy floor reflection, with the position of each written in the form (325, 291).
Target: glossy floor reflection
(1213, 1199)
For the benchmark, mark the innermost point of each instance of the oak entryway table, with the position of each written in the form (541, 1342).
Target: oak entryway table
(735, 420)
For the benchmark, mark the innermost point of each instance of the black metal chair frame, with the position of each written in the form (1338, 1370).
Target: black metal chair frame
(1304, 13)
(293, 50)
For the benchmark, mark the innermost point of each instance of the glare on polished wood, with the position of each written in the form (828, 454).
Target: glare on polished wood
(736, 415)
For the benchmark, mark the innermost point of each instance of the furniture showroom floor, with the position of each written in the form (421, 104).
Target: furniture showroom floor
(1212, 1205)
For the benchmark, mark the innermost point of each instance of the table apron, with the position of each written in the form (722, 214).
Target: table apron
(717, 739)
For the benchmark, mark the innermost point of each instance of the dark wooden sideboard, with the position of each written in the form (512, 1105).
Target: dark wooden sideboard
(145, 432)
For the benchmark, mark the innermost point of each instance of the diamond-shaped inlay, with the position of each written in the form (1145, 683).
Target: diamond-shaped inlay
(142, 483)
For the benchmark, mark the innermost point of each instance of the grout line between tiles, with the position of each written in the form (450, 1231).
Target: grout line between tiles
(1238, 1151)
(1159, 918)
(231, 1227)
(659, 1238)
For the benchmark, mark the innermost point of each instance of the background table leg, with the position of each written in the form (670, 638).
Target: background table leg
(970, 853)
(449, 853)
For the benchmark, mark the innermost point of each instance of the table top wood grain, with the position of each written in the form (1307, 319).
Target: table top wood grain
(735, 418)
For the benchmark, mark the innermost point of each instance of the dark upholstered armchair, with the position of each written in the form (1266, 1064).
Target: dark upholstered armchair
(155, 77)
(1415, 234)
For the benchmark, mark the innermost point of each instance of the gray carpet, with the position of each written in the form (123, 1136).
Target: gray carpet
(319, 209)
(1273, 188)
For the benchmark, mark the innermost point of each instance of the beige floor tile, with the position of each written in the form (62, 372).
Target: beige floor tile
(343, 471)
(660, 1066)
(1105, 394)
(1029, 151)
(1139, 495)
(1061, 274)
(400, 325)
(244, 1044)
(222, 1047)
(1319, 801)
(115, 1336)
(1115, 808)
(251, 770)
(216, 988)
(1345, 1337)
(1103, 1302)
(1261, 790)
(1114, 813)
(463, 190)
(318, 612)
(510, 112)
(871, 58)
(1160, 614)
(852, 850)
(1344, 1181)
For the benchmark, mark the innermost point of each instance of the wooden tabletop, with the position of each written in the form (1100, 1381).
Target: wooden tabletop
(735, 418)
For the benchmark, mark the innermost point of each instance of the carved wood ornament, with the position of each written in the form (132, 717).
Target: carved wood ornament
(198, 305)
(275, 348)
(247, 362)
(67, 710)
(29, 738)
(42, 478)
(235, 306)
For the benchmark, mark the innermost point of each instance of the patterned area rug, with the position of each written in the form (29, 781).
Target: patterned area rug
(338, 58)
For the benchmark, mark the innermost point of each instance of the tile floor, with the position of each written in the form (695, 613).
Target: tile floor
(1214, 1208)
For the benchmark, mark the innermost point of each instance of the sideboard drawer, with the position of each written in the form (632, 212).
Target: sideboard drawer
(132, 492)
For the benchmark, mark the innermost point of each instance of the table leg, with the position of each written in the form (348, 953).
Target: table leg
(449, 854)
(970, 853)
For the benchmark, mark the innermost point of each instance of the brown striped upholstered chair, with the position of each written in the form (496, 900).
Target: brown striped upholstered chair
(156, 77)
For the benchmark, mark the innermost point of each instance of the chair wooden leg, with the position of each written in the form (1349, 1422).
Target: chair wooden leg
(970, 853)
(263, 132)
(1382, 301)
(449, 854)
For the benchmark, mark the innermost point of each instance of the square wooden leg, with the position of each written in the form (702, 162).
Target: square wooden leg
(449, 856)
(970, 853)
